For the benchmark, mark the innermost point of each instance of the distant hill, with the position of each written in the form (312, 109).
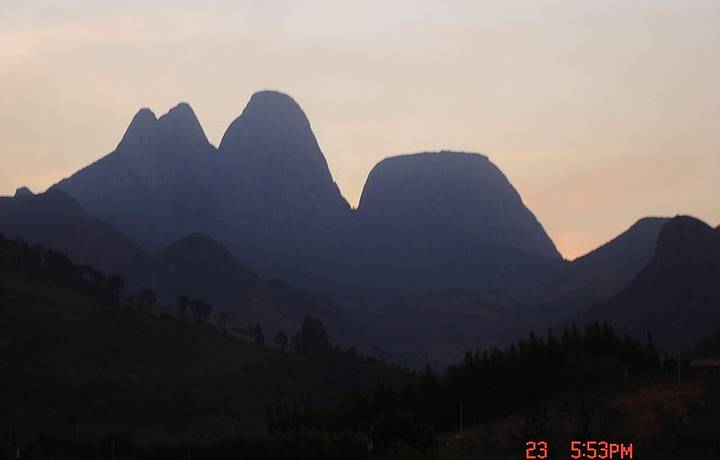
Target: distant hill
(620, 259)
(201, 268)
(56, 220)
(676, 297)
(596, 276)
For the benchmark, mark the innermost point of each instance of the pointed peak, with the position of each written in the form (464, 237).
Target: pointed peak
(180, 111)
(141, 127)
(182, 124)
(23, 191)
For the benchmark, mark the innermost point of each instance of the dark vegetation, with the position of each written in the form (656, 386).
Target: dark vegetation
(83, 366)
(89, 372)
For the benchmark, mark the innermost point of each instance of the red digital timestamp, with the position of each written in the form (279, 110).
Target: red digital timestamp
(592, 450)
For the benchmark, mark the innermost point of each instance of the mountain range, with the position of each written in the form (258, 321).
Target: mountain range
(441, 254)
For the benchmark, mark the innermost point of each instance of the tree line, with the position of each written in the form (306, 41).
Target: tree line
(581, 364)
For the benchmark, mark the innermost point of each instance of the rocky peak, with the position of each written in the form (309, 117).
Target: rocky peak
(23, 191)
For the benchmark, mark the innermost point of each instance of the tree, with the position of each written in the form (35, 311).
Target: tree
(312, 338)
(200, 310)
(183, 305)
(146, 300)
(220, 318)
(281, 340)
(257, 332)
(116, 285)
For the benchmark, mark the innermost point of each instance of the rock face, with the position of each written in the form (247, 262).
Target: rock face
(453, 220)
(676, 297)
(446, 194)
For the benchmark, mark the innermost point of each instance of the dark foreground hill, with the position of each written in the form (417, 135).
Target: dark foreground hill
(56, 220)
(79, 361)
(198, 267)
(676, 297)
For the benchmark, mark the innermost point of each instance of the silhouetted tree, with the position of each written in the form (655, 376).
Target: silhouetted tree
(146, 300)
(312, 338)
(116, 285)
(220, 318)
(183, 305)
(257, 333)
(200, 310)
(281, 340)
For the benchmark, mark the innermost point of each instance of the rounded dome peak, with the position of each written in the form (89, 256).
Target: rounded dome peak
(271, 120)
(461, 192)
(273, 100)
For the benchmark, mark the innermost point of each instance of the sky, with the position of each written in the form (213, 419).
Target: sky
(599, 113)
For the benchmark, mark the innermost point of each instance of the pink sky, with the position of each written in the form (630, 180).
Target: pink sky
(599, 112)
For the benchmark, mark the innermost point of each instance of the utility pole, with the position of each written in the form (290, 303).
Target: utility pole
(459, 435)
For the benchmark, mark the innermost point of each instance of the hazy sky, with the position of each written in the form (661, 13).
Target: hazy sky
(598, 112)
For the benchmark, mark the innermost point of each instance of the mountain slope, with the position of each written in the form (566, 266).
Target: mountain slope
(153, 186)
(55, 220)
(676, 297)
(80, 368)
(201, 268)
(596, 276)
(280, 208)
(621, 258)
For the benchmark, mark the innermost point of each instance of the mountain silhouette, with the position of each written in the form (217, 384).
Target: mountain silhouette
(152, 188)
(676, 296)
(448, 220)
(57, 221)
(621, 258)
(438, 237)
(438, 193)
(595, 276)
(279, 205)
(266, 192)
